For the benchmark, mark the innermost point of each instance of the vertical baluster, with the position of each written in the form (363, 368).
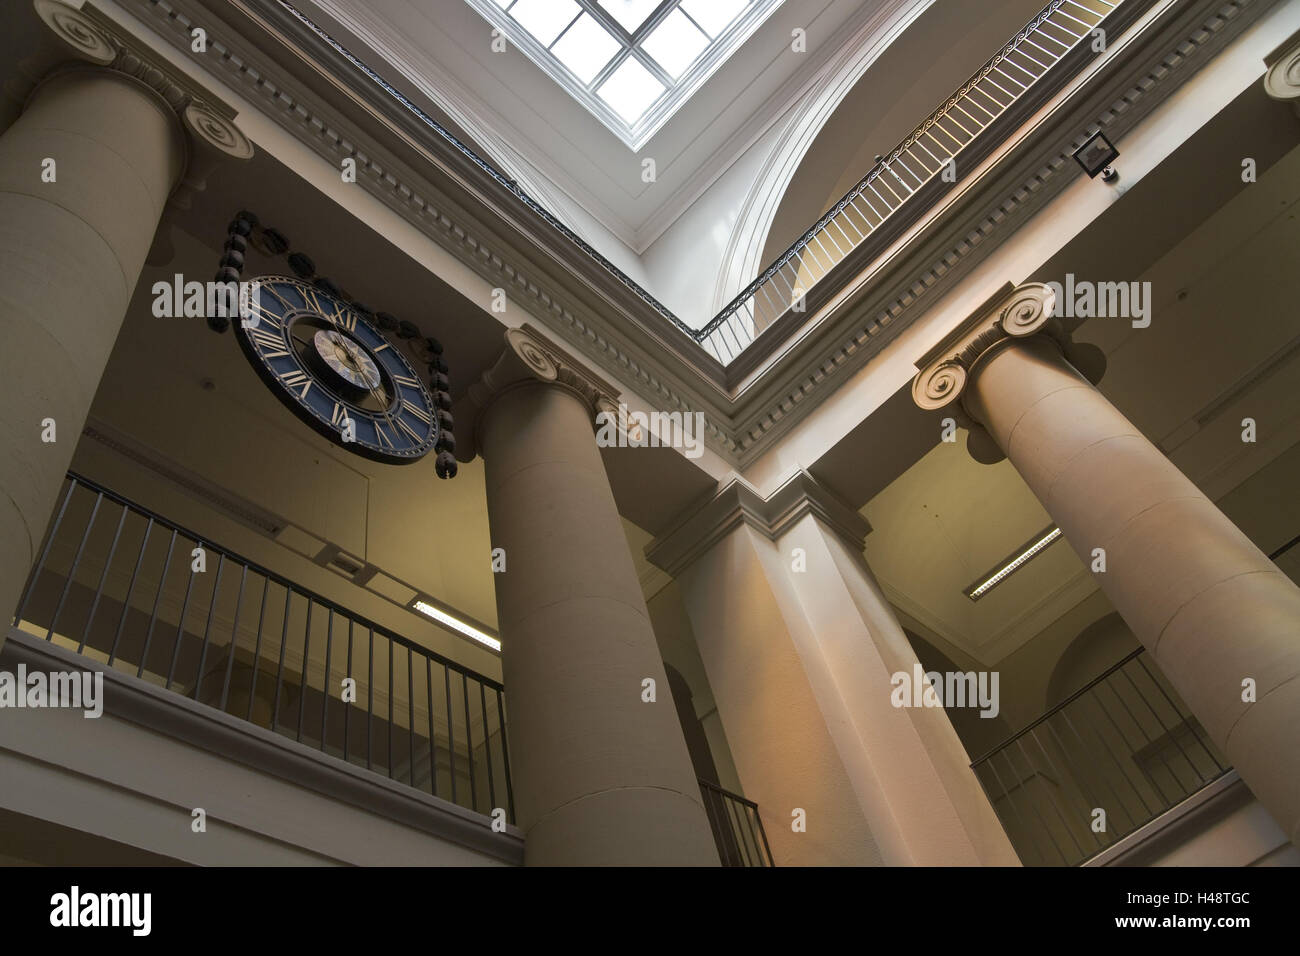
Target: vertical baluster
(279, 670)
(153, 615)
(207, 627)
(370, 699)
(469, 740)
(306, 663)
(767, 849)
(234, 639)
(103, 579)
(180, 624)
(257, 648)
(451, 736)
(433, 730)
(736, 830)
(410, 716)
(390, 708)
(505, 754)
(325, 695)
(347, 708)
(487, 747)
(72, 571)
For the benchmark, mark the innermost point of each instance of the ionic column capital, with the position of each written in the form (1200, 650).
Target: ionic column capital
(1014, 314)
(212, 134)
(529, 358)
(1282, 81)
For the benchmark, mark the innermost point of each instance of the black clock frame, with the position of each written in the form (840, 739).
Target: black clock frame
(303, 411)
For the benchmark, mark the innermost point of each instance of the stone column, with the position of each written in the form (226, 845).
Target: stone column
(85, 172)
(600, 776)
(1211, 608)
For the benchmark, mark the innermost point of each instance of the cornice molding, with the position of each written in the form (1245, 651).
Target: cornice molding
(737, 503)
(611, 323)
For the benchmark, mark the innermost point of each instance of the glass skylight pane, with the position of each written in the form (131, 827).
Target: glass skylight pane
(675, 43)
(544, 19)
(585, 48)
(714, 15)
(630, 14)
(630, 90)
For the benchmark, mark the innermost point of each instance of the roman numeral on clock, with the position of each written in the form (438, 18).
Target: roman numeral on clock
(296, 379)
(410, 432)
(268, 343)
(345, 318)
(417, 411)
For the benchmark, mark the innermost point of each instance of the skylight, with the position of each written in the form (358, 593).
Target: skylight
(632, 63)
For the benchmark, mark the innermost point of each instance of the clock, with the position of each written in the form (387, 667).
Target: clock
(337, 372)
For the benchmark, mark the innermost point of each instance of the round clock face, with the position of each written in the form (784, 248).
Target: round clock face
(337, 372)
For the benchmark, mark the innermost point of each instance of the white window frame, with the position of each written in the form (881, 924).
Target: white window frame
(677, 91)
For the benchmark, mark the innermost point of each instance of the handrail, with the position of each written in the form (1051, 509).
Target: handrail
(1277, 553)
(285, 582)
(461, 740)
(740, 837)
(884, 164)
(1059, 707)
(1097, 766)
(713, 336)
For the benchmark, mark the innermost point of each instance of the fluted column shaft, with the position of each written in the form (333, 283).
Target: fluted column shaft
(73, 239)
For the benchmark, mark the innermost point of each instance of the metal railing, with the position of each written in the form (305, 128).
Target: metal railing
(737, 827)
(1105, 761)
(872, 207)
(893, 194)
(143, 595)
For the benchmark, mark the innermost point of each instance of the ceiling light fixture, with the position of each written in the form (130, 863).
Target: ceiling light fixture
(456, 624)
(1017, 560)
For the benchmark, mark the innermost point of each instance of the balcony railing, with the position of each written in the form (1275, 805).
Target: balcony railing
(737, 828)
(900, 186)
(895, 192)
(118, 583)
(1107, 760)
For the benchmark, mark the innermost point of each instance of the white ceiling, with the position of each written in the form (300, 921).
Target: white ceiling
(563, 154)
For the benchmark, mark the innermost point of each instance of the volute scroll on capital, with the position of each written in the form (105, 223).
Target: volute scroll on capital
(1020, 312)
(1015, 313)
(1282, 80)
(530, 357)
(212, 134)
